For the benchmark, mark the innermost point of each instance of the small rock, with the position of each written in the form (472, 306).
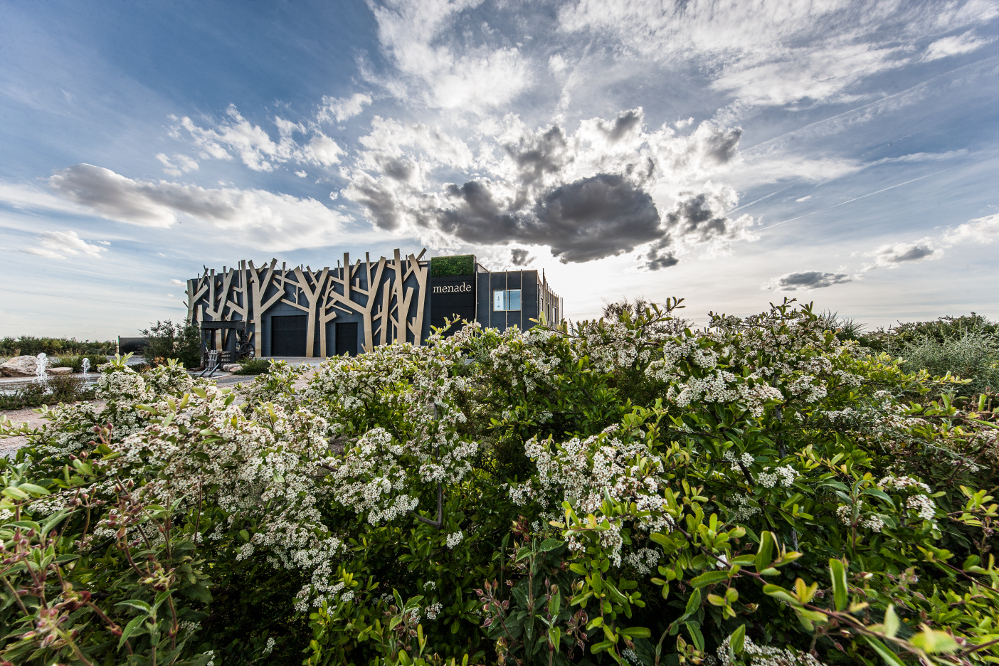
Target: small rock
(19, 366)
(231, 367)
(59, 371)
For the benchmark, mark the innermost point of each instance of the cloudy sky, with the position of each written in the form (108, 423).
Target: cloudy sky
(843, 152)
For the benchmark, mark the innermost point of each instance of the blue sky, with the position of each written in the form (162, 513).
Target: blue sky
(728, 153)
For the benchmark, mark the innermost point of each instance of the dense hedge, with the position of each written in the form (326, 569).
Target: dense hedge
(27, 345)
(622, 491)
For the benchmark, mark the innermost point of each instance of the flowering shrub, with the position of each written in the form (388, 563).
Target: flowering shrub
(627, 490)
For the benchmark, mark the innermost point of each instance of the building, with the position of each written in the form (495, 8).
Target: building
(297, 311)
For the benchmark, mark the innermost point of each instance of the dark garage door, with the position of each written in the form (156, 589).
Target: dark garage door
(288, 335)
(346, 339)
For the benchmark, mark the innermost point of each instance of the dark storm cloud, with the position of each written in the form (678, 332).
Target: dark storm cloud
(380, 201)
(809, 280)
(538, 155)
(588, 219)
(912, 253)
(623, 124)
(397, 169)
(698, 217)
(520, 257)
(722, 146)
(660, 256)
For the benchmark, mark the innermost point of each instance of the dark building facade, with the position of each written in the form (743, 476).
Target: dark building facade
(355, 306)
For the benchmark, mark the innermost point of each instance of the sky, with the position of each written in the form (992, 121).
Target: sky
(733, 154)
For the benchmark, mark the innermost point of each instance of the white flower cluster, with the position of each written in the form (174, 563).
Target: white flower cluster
(760, 655)
(454, 539)
(644, 560)
(745, 508)
(924, 507)
(873, 521)
(582, 472)
(919, 501)
(903, 483)
(631, 656)
(746, 459)
(785, 474)
(433, 610)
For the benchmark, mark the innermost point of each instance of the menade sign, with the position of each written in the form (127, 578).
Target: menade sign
(453, 288)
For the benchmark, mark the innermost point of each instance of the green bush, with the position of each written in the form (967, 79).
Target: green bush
(620, 491)
(973, 356)
(178, 341)
(254, 366)
(57, 389)
(76, 362)
(894, 338)
(28, 345)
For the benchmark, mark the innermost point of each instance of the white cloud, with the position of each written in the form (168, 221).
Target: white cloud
(58, 244)
(979, 230)
(806, 198)
(301, 174)
(254, 145)
(179, 283)
(340, 109)
(256, 218)
(774, 52)
(455, 75)
(24, 197)
(184, 164)
(955, 45)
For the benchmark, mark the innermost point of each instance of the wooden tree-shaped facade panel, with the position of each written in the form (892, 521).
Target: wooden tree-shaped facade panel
(388, 294)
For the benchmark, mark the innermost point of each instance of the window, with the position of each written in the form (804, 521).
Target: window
(506, 299)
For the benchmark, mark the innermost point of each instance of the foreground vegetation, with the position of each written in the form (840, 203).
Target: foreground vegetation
(621, 491)
(28, 345)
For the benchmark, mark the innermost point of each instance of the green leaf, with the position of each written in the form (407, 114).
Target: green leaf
(933, 641)
(549, 544)
(693, 603)
(137, 604)
(738, 640)
(889, 657)
(694, 628)
(635, 632)
(891, 622)
(840, 591)
(14, 493)
(780, 593)
(764, 555)
(33, 489)
(130, 629)
(54, 520)
(709, 577)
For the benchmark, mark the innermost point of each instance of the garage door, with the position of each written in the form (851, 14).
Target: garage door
(288, 335)
(346, 339)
